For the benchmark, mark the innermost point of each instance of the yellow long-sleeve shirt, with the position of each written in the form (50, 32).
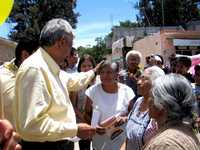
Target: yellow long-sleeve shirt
(7, 83)
(42, 107)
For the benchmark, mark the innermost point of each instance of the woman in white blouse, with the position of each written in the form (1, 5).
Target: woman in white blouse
(110, 99)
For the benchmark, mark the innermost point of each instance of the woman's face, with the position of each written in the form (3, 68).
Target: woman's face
(144, 84)
(154, 112)
(107, 75)
(181, 68)
(86, 66)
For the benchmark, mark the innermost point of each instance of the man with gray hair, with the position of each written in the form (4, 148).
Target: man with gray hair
(129, 76)
(43, 113)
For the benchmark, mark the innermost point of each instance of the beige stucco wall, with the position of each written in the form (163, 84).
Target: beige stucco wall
(148, 45)
(7, 50)
(162, 43)
(167, 37)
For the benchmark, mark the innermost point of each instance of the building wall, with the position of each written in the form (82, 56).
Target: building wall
(7, 50)
(167, 37)
(193, 25)
(162, 43)
(147, 46)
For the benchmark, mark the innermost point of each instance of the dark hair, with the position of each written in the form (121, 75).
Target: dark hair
(197, 68)
(73, 50)
(162, 60)
(186, 61)
(86, 57)
(25, 44)
(107, 63)
(104, 64)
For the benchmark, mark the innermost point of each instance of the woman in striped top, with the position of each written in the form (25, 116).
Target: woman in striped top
(140, 127)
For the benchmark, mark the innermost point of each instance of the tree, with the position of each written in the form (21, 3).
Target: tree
(125, 24)
(128, 24)
(167, 12)
(99, 51)
(31, 15)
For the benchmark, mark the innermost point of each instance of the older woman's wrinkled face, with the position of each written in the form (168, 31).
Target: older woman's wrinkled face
(154, 112)
(107, 75)
(144, 84)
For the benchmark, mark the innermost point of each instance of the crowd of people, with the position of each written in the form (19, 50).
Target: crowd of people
(50, 98)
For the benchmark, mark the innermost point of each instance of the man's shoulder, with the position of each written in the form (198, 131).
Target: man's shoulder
(95, 87)
(34, 61)
(7, 72)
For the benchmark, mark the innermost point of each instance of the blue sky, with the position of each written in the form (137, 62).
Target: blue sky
(96, 19)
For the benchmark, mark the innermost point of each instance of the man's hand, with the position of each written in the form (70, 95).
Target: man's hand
(96, 69)
(8, 138)
(85, 131)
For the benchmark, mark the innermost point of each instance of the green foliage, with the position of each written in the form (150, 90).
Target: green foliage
(128, 24)
(174, 12)
(99, 51)
(31, 15)
(125, 24)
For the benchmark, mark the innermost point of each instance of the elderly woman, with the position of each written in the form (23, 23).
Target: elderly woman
(172, 102)
(140, 127)
(111, 100)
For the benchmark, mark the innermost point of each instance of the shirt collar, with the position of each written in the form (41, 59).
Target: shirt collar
(11, 66)
(50, 62)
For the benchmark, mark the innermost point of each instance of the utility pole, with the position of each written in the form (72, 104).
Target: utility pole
(145, 15)
(163, 15)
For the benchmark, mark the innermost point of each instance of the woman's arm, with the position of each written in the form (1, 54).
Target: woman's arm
(88, 110)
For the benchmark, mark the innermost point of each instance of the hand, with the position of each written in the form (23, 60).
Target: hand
(132, 76)
(100, 130)
(6, 130)
(96, 69)
(85, 131)
(12, 144)
(120, 121)
(8, 138)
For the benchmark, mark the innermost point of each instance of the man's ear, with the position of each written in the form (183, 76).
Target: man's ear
(61, 42)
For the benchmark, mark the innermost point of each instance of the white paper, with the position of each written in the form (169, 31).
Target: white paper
(95, 118)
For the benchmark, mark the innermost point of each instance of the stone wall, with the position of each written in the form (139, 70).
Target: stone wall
(7, 50)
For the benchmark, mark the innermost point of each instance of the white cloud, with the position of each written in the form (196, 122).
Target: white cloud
(91, 27)
(86, 34)
(84, 42)
(88, 39)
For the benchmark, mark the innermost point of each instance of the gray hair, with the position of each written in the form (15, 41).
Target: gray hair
(54, 30)
(173, 93)
(133, 53)
(154, 72)
(108, 63)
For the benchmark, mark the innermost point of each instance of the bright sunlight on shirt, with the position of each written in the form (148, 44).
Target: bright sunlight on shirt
(42, 107)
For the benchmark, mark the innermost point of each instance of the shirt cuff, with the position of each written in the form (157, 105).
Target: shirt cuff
(72, 130)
